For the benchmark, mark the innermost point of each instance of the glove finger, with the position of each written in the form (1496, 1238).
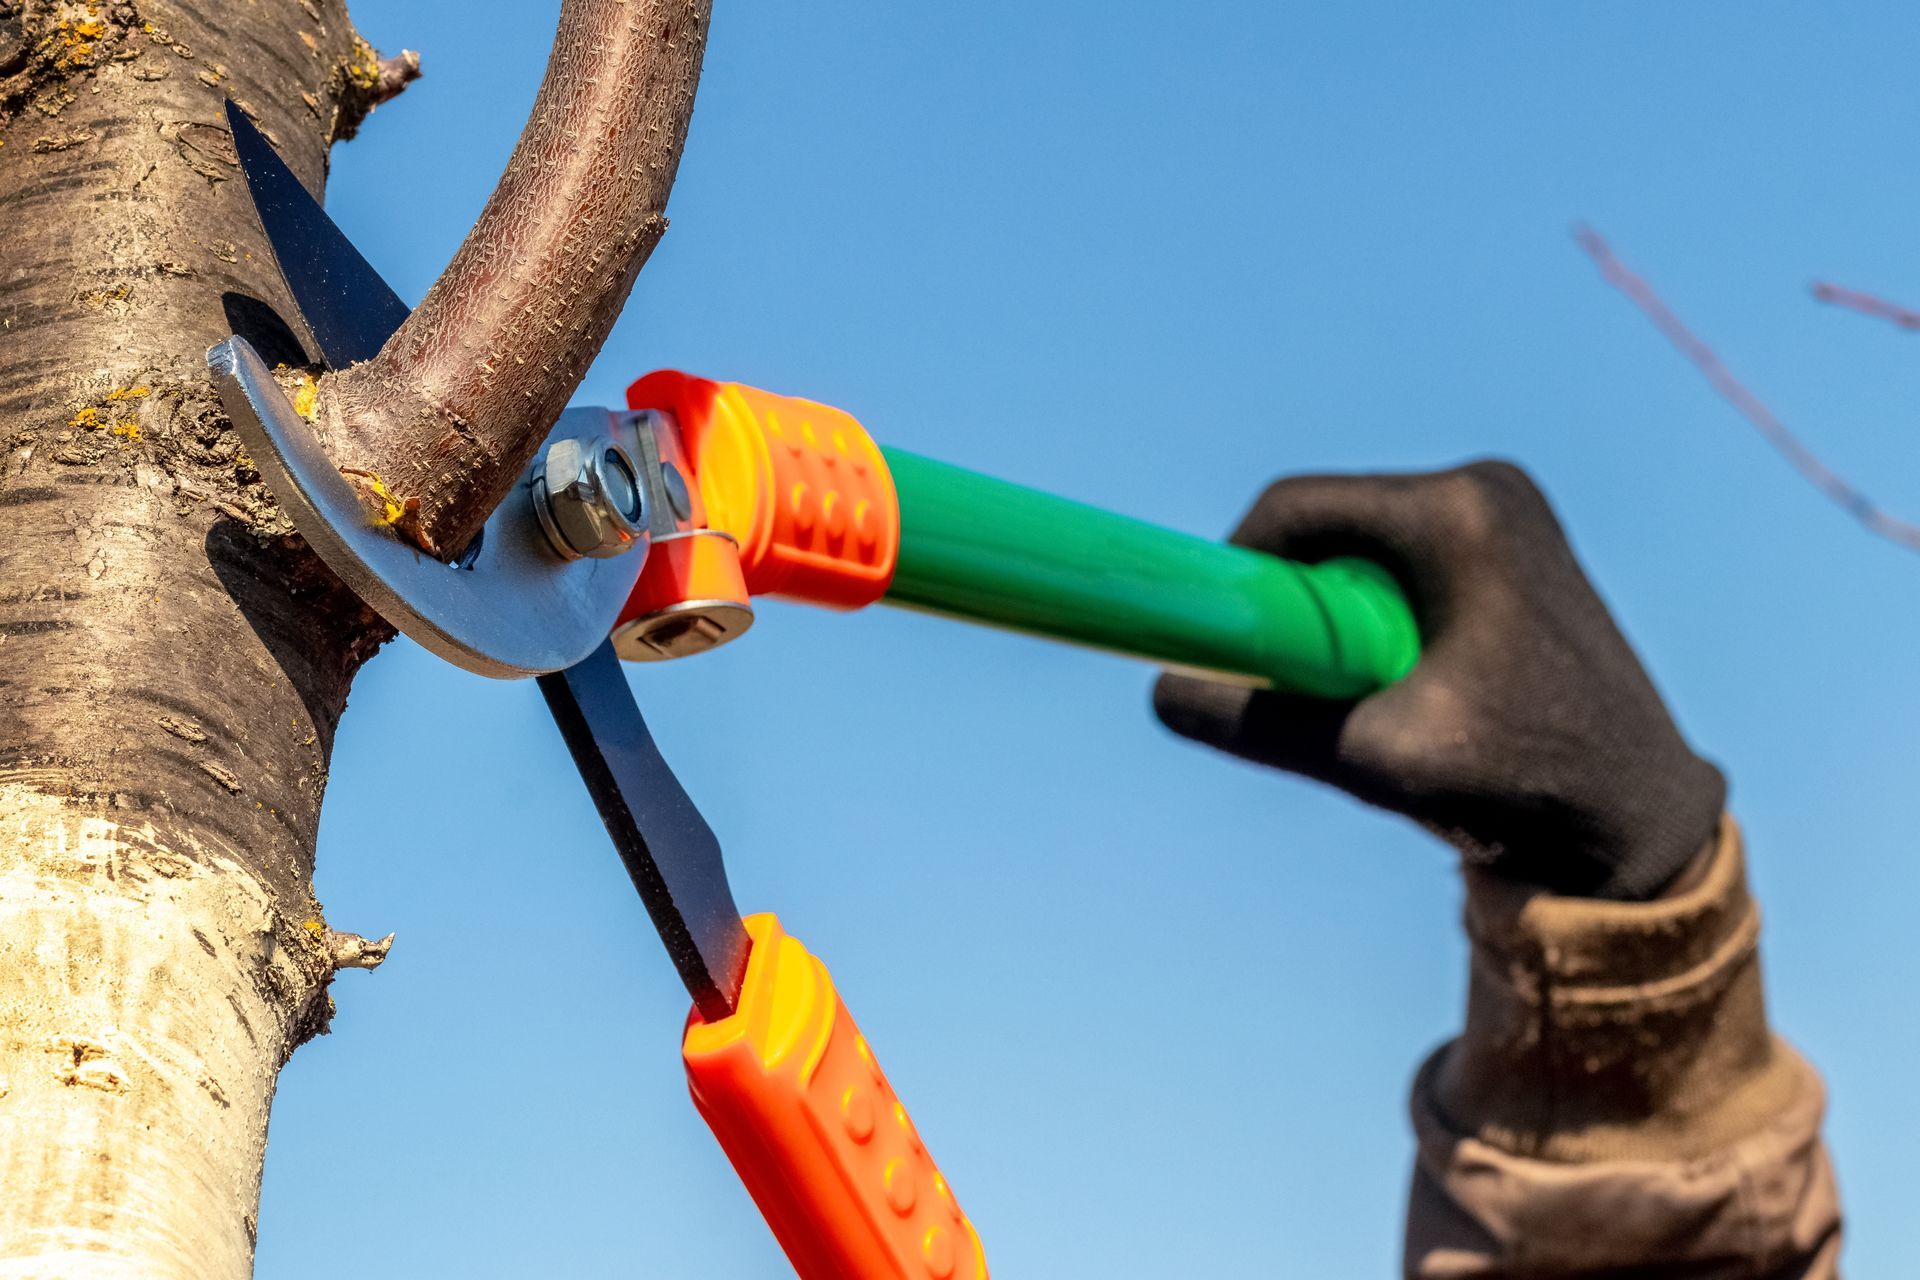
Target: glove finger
(1313, 517)
(1300, 734)
(1208, 711)
(1442, 534)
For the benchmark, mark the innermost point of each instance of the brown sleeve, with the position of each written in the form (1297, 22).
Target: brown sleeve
(1617, 1100)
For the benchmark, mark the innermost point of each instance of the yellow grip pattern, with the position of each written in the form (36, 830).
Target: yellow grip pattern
(792, 1091)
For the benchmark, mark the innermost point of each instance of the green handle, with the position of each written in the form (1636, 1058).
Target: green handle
(981, 549)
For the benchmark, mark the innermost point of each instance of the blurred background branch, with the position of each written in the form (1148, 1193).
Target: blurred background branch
(1866, 304)
(1745, 402)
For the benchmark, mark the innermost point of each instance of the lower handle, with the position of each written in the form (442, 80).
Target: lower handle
(792, 1091)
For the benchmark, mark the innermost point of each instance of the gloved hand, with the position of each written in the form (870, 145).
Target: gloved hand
(1528, 736)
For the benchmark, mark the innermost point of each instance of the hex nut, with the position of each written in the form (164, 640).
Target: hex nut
(588, 496)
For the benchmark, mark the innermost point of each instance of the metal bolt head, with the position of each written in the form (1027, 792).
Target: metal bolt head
(587, 493)
(678, 498)
(682, 630)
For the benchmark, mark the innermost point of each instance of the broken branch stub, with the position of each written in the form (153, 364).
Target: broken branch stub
(439, 425)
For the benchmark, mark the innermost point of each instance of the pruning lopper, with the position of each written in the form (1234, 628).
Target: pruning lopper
(646, 535)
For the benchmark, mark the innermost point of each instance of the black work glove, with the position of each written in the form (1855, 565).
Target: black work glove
(1528, 736)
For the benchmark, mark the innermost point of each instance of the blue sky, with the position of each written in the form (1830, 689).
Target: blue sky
(1154, 1011)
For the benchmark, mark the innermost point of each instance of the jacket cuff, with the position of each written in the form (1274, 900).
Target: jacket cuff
(1604, 1030)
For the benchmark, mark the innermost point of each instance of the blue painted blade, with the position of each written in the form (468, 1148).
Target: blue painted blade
(668, 848)
(348, 308)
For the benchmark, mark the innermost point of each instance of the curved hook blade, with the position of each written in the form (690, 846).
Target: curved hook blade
(511, 608)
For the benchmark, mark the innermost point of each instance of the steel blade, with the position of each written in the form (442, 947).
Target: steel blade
(347, 307)
(668, 848)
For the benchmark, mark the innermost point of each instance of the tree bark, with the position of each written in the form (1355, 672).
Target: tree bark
(172, 664)
(173, 661)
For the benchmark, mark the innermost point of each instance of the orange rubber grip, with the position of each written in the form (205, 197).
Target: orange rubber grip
(791, 1090)
(800, 486)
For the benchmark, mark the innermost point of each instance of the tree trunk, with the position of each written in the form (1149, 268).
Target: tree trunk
(172, 665)
(172, 661)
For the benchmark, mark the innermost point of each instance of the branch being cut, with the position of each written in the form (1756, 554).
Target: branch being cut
(1745, 402)
(439, 425)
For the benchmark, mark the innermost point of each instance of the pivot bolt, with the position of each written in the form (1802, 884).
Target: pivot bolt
(679, 498)
(587, 494)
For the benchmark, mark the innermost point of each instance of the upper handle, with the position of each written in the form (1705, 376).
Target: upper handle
(818, 512)
(982, 549)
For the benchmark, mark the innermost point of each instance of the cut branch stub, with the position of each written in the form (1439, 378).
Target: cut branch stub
(437, 427)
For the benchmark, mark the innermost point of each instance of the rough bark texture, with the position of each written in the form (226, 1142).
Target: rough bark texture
(172, 662)
(440, 425)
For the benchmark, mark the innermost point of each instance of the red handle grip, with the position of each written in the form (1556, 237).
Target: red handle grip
(791, 1090)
